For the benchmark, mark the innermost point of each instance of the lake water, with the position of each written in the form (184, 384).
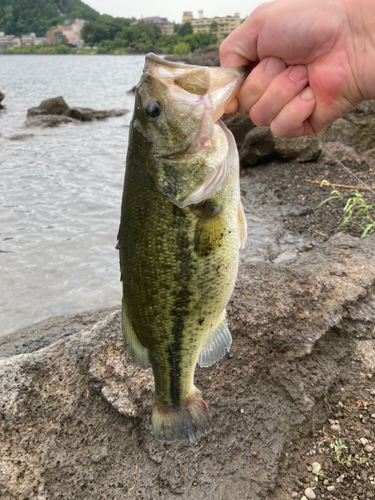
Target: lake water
(61, 188)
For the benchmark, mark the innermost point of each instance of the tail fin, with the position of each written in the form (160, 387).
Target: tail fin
(176, 423)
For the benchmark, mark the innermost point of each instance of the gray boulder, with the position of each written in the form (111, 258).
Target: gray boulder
(55, 111)
(260, 145)
(239, 126)
(75, 414)
(54, 106)
(356, 129)
(203, 57)
(206, 57)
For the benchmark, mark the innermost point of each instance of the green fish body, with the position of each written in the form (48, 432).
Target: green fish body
(182, 224)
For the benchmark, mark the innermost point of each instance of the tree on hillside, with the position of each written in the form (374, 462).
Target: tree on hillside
(104, 28)
(214, 27)
(20, 17)
(186, 29)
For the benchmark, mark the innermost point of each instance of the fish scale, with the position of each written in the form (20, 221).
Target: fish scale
(178, 259)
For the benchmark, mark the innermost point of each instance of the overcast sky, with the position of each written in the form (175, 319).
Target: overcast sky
(172, 9)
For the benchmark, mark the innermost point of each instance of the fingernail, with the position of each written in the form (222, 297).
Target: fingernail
(307, 94)
(298, 73)
(275, 65)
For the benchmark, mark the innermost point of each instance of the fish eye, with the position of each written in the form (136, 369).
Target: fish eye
(153, 109)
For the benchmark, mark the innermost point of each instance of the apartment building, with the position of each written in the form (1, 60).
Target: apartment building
(225, 25)
(163, 23)
(69, 31)
(9, 41)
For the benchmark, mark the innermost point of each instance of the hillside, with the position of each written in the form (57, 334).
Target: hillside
(18, 17)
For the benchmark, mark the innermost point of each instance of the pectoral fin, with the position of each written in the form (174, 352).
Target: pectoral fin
(242, 226)
(219, 340)
(210, 230)
(136, 350)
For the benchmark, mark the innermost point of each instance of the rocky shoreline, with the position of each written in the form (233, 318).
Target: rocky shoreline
(300, 377)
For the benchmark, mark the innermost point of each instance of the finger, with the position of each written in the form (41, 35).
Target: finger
(232, 107)
(258, 81)
(238, 49)
(282, 89)
(293, 119)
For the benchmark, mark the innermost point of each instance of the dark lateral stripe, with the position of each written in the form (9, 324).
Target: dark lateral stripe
(180, 304)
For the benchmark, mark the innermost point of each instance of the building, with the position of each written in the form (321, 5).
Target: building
(69, 32)
(55, 35)
(27, 40)
(32, 39)
(163, 23)
(9, 41)
(41, 40)
(72, 32)
(225, 25)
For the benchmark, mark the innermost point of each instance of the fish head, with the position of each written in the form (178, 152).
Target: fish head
(177, 108)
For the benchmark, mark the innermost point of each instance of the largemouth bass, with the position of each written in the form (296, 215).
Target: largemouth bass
(182, 224)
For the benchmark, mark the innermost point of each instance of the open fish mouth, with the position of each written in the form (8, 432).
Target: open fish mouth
(215, 86)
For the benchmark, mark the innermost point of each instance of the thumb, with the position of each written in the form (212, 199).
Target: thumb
(240, 47)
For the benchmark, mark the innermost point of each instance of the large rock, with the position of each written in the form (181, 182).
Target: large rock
(206, 57)
(55, 111)
(260, 145)
(239, 126)
(203, 57)
(356, 129)
(54, 106)
(75, 414)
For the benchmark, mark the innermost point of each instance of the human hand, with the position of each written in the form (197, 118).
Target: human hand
(312, 63)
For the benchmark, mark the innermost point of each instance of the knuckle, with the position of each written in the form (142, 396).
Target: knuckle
(258, 118)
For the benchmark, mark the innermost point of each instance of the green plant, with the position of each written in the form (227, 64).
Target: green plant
(335, 194)
(339, 446)
(181, 48)
(318, 474)
(357, 211)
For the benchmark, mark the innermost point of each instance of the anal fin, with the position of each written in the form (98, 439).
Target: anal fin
(242, 226)
(220, 339)
(136, 350)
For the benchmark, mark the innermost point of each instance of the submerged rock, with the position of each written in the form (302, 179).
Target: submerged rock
(55, 111)
(48, 121)
(76, 414)
(20, 137)
(89, 115)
